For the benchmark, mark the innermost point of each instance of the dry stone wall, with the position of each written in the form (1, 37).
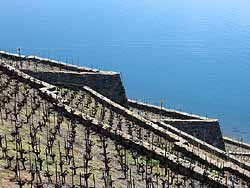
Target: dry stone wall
(203, 128)
(44, 61)
(236, 143)
(108, 84)
(208, 131)
(173, 114)
(58, 73)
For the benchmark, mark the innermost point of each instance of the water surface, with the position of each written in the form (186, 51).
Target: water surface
(193, 54)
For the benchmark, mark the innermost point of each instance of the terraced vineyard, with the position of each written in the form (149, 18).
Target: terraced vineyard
(41, 146)
(57, 137)
(211, 165)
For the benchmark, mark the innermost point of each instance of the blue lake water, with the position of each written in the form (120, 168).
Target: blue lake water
(195, 55)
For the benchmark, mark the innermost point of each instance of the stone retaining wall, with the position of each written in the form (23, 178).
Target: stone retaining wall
(45, 61)
(203, 128)
(236, 143)
(173, 114)
(108, 83)
(206, 130)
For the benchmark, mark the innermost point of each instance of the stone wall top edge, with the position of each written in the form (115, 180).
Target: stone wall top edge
(11, 54)
(192, 120)
(26, 76)
(111, 73)
(236, 142)
(198, 117)
(186, 135)
(77, 68)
